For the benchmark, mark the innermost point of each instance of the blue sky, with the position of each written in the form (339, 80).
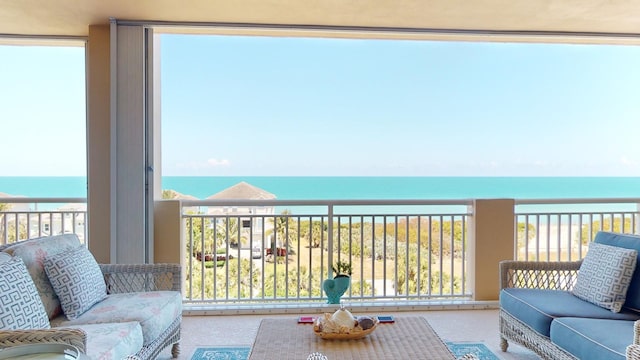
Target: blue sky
(42, 111)
(291, 106)
(294, 106)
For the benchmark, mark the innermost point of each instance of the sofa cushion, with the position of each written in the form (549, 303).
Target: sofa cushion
(77, 280)
(591, 339)
(112, 341)
(154, 310)
(538, 307)
(604, 275)
(20, 304)
(33, 252)
(4, 257)
(628, 242)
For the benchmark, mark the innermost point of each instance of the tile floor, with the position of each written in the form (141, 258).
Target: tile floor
(451, 325)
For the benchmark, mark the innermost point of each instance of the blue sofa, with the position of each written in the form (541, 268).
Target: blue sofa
(539, 309)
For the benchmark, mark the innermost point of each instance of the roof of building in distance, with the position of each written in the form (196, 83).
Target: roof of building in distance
(243, 190)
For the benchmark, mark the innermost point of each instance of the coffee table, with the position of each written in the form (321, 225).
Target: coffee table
(407, 338)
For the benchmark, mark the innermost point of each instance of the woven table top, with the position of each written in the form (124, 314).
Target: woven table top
(407, 338)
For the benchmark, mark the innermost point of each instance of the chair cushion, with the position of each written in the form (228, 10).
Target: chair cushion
(604, 275)
(154, 310)
(628, 242)
(538, 307)
(112, 341)
(77, 280)
(591, 339)
(33, 252)
(20, 304)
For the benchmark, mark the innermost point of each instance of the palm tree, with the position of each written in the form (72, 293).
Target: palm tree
(285, 229)
(227, 232)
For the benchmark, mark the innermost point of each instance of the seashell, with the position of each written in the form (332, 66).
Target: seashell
(365, 322)
(344, 318)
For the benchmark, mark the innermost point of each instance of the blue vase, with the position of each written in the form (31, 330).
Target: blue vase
(335, 288)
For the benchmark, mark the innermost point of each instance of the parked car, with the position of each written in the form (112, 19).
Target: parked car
(256, 252)
(279, 251)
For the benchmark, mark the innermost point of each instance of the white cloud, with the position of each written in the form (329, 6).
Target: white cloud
(216, 162)
(202, 165)
(629, 162)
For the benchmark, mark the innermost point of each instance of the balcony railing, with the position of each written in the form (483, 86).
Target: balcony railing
(560, 230)
(264, 251)
(25, 218)
(275, 251)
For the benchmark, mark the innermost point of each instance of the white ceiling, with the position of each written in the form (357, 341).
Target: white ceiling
(72, 17)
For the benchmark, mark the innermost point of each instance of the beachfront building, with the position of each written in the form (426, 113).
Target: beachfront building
(254, 230)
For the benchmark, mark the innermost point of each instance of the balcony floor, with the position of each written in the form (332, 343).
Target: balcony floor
(451, 325)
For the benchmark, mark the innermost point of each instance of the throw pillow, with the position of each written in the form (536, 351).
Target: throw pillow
(20, 304)
(605, 275)
(33, 252)
(77, 280)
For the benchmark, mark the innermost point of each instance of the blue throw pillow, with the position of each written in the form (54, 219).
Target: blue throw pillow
(605, 275)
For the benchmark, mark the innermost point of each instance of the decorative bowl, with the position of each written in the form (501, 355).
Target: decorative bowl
(343, 334)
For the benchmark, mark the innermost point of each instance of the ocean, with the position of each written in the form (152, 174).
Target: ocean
(358, 188)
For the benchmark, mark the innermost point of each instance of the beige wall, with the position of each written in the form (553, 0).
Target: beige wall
(492, 231)
(98, 142)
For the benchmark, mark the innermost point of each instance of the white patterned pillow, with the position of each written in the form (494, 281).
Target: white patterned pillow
(33, 252)
(20, 304)
(77, 280)
(605, 275)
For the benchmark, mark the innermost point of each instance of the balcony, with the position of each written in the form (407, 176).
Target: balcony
(273, 255)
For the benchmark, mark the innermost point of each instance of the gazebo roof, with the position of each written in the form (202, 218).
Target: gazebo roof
(243, 190)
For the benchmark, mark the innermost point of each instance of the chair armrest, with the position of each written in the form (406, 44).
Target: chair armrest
(555, 275)
(122, 278)
(633, 352)
(74, 337)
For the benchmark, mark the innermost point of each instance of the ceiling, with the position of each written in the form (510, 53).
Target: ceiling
(72, 17)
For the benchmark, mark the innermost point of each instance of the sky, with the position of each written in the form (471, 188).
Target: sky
(262, 106)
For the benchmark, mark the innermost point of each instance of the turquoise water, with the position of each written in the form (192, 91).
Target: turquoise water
(313, 188)
(322, 188)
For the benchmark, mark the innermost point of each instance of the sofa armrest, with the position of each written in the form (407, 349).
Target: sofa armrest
(74, 337)
(122, 278)
(633, 352)
(554, 275)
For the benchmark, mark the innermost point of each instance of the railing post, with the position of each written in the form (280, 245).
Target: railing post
(330, 240)
(491, 240)
(168, 242)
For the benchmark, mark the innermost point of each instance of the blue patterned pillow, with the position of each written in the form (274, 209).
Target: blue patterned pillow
(20, 304)
(605, 275)
(77, 280)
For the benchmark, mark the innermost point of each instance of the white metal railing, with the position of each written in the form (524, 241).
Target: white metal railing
(277, 250)
(25, 218)
(263, 251)
(561, 229)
